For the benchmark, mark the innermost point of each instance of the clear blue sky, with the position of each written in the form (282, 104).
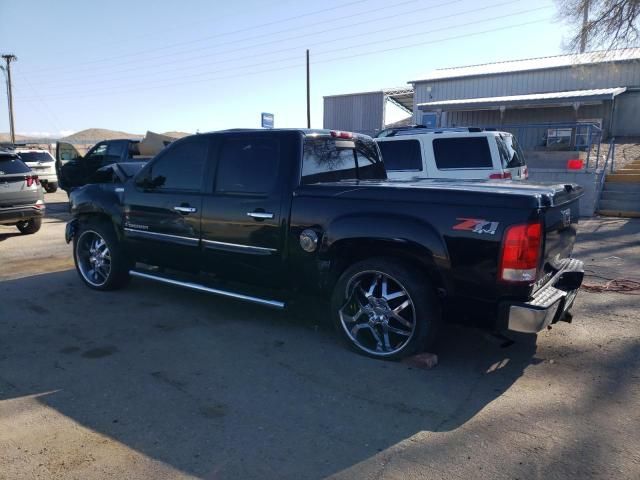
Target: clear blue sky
(207, 64)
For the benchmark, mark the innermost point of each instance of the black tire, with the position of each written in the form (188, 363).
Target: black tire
(30, 226)
(117, 274)
(50, 187)
(375, 312)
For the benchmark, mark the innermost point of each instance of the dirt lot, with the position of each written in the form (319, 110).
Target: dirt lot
(156, 382)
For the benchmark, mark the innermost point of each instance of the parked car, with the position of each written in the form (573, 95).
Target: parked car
(43, 164)
(75, 170)
(21, 196)
(465, 153)
(263, 216)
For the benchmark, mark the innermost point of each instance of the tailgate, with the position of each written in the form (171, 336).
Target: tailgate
(560, 223)
(14, 191)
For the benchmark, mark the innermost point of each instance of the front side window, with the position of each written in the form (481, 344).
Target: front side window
(181, 167)
(401, 155)
(115, 151)
(248, 165)
(97, 153)
(462, 153)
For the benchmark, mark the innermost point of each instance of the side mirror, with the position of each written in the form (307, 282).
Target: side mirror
(147, 183)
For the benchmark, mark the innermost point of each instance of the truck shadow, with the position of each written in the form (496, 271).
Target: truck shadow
(216, 388)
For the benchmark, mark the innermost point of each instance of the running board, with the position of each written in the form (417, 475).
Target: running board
(202, 288)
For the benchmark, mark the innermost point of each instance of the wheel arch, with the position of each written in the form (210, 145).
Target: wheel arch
(355, 238)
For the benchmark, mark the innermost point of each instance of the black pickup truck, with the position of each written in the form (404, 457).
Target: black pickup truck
(75, 170)
(265, 216)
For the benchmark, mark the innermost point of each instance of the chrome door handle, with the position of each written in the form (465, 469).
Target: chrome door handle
(260, 215)
(185, 209)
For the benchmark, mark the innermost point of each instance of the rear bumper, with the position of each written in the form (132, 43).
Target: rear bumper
(549, 304)
(17, 214)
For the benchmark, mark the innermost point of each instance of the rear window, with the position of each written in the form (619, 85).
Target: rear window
(35, 157)
(510, 152)
(11, 165)
(462, 152)
(333, 160)
(401, 155)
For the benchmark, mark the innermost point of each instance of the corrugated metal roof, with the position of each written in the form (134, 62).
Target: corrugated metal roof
(531, 98)
(540, 63)
(401, 95)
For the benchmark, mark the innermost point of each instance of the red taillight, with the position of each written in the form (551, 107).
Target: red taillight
(574, 164)
(500, 176)
(521, 248)
(339, 134)
(32, 179)
(525, 172)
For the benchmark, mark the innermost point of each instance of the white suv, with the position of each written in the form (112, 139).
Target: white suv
(463, 153)
(42, 163)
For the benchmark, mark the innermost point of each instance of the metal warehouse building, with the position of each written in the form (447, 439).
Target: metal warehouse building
(366, 112)
(596, 87)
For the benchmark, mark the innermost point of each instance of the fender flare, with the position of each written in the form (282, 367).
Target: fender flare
(404, 232)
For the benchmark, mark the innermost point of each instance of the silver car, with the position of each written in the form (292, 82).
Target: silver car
(43, 164)
(21, 196)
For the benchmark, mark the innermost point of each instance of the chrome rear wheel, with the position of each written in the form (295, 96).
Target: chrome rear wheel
(378, 316)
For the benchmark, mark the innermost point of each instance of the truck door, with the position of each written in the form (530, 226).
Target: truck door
(163, 207)
(68, 166)
(243, 225)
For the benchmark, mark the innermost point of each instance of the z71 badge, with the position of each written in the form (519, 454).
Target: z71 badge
(476, 225)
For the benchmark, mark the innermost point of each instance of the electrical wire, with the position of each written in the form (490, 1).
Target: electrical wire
(182, 60)
(150, 85)
(118, 58)
(262, 54)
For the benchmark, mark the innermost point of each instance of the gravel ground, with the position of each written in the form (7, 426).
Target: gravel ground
(156, 382)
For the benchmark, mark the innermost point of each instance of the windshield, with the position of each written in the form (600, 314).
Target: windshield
(336, 159)
(36, 156)
(510, 151)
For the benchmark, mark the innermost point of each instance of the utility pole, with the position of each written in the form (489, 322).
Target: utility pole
(308, 94)
(585, 22)
(8, 59)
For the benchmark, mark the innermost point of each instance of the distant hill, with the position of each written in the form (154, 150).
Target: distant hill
(94, 135)
(5, 137)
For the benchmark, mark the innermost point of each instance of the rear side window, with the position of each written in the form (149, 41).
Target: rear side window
(333, 160)
(401, 155)
(510, 152)
(248, 165)
(462, 152)
(12, 165)
(35, 157)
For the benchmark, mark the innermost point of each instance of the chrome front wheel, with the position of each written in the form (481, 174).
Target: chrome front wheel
(93, 258)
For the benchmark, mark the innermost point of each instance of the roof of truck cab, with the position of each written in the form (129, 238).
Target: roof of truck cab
(304, 131)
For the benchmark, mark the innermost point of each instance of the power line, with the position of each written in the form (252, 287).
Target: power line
(287, 39)
(301, 65)
(217, 35)
(52, 117)
(386, 40)
(163, 56)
